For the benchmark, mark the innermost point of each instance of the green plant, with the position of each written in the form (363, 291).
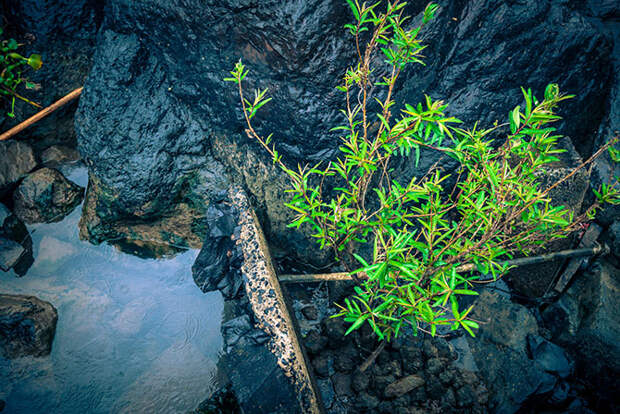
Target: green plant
(11, 66)
(421, 231)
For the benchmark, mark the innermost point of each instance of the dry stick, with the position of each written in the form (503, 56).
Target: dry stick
(371, 358)
(42, 114)
(343, 276)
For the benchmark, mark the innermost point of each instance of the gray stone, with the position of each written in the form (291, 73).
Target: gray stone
(10, 253)
(59, 154)
(27, 326)
(551, 357)
(46, 196)
(342, 384)
(500, 352)
(16, 160)
(403, 386)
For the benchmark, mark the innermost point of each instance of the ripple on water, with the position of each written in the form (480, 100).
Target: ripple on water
(134, 335)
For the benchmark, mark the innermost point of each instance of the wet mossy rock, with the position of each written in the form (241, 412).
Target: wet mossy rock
(27, 326)
(155, 104)
(46, 196)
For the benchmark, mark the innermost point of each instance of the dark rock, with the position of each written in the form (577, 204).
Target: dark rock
(138, 148)
(321, 365)
(327, 391)
(366, 401)
(315, 342)
(342, 384)
(465, 396)
(591, 327)
(412, 359)
(434, 366)
(403, 386)
(16, 160)
(46, 196)
(551, 357)
(2, 405)
(310, 312)
(10, 254)
(547, 383)
(446, 376)
(59, 154)
(360, 381)
(222, 401)
(343, 362)
(27, 326)
(434, 389)
(212, 263)
(334, 329)
(560, 394)
(12, 227)
(500, 351)
(449, 398)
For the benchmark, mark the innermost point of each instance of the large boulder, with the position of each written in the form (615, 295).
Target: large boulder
(16, 160)
(155, 107)
(27, 326)
(46, 196)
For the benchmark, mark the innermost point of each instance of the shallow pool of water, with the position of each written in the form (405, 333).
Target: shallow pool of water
(134, 335)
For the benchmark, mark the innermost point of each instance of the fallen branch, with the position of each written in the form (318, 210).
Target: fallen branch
(563, 254)
(371, 358)
(41, 114)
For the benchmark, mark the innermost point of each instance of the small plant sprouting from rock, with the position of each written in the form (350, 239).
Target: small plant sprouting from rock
(425, 230)
(12, 65)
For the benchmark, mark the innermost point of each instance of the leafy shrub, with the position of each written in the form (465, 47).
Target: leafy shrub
(432, 237)
(12, 65)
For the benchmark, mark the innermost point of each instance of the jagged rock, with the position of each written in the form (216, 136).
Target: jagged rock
(59, 154)
(403, 386)
(500, 352)
(16, 160)
(46, 196)
(586, 320)
(15, 243)
(27, 326)
(551, 357)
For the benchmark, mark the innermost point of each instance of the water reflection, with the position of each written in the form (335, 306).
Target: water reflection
(133, 334)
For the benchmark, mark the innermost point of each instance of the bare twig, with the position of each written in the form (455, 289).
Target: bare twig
(42, 114)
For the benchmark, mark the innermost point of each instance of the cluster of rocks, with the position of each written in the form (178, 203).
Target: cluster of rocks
(36, 193)
(411, 375)
(512, 365)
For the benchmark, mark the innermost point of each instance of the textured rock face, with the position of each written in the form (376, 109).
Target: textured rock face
(155, 106)
(27, 326)
(46, 196)
(16, 160)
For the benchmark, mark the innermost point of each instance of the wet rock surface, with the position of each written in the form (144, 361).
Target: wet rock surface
(256, 370)
(10, 254)
(15, 243)
(155, 106)
(27, 326)
(46, 196)
(59, 154)
(16, 160)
